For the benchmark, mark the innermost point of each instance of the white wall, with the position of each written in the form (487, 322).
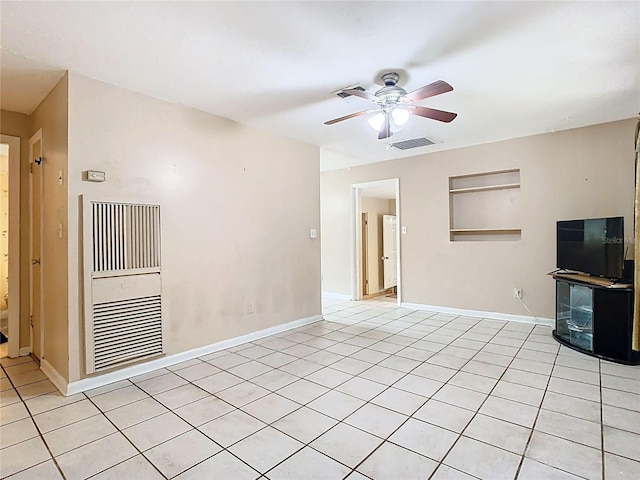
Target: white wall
(237, 205)
(580, 173)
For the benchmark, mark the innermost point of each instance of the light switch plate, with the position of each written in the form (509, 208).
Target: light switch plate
(313, 233)
(404, 230)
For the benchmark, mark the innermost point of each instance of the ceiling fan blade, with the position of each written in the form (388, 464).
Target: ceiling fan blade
(431, 90)
(434, 114)
(346, 117)
(361, 94)
(385, 129)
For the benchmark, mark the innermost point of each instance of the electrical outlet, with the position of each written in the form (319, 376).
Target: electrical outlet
(249, 307)
(517, 292)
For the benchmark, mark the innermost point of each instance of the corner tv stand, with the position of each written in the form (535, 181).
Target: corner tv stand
(594, 315)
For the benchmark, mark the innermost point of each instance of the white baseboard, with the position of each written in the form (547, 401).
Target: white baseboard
(336, 296)
(55, 377)
(478, 313)
(127, 372)
(24, 351)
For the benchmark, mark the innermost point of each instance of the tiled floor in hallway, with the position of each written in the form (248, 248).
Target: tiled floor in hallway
(373, 391)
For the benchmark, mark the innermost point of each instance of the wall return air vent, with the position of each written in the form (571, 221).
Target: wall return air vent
(122, 283)
(413, 143)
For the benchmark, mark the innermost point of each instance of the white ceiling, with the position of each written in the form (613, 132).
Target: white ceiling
(517, 68)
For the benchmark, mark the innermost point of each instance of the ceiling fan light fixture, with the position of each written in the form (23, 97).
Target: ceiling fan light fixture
(376, 121)
(400, 116)
(394, 105)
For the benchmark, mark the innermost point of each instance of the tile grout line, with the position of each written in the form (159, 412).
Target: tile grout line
(557, 355)
(432, 395)
(535, 420)
(197, 428)
(353, 376)
(388, 387)
(461, 434)
(308, 444)
(122, 433)
(378, 327)
(53, 458)
(101, 412)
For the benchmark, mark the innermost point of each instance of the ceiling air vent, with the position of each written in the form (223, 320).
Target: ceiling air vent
(342, 94)
(413, 143)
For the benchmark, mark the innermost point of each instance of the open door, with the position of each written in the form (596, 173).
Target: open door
(36, 184)
(390, 251)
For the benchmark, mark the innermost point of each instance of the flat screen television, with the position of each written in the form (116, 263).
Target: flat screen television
(594, 246)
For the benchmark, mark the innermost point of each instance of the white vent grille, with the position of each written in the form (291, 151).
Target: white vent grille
(125, 236)
(414, 143)
(342, 94)
(123, 303)
(126, 330)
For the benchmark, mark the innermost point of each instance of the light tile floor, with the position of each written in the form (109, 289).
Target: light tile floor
(373, 391)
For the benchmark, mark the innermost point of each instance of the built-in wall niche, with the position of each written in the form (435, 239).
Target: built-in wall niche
(485, 206)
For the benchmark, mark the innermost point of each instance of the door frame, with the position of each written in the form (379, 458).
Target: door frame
(14, 243)
(32, 141)
(356, 235)
(364, 225)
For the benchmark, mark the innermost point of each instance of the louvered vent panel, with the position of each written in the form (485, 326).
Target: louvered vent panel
(123, 286)
(126, 330)
(125, 236)
(413, 143)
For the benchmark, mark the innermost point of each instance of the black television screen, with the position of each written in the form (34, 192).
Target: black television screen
(594, 246)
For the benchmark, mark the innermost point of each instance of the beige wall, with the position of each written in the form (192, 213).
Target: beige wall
(19, 125)
(580, 173)
(376, 208)
(237, 205)
(52, 117)
(335, 230)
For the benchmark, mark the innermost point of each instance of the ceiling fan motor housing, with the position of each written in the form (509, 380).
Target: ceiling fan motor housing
(390, 79)
(390, 93)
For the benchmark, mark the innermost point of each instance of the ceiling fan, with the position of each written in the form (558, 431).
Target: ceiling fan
(395, 105)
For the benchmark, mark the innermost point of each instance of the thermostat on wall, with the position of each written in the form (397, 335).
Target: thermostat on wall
(95, 176)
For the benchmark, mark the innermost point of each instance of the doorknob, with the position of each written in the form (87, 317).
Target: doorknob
(35, 261)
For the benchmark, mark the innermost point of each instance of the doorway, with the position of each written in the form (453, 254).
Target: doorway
(9, 245)
(376, 264)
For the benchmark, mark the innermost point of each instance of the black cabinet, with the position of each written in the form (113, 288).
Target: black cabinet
(595, 316)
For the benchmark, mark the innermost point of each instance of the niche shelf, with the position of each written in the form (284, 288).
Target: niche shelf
(485, 206)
